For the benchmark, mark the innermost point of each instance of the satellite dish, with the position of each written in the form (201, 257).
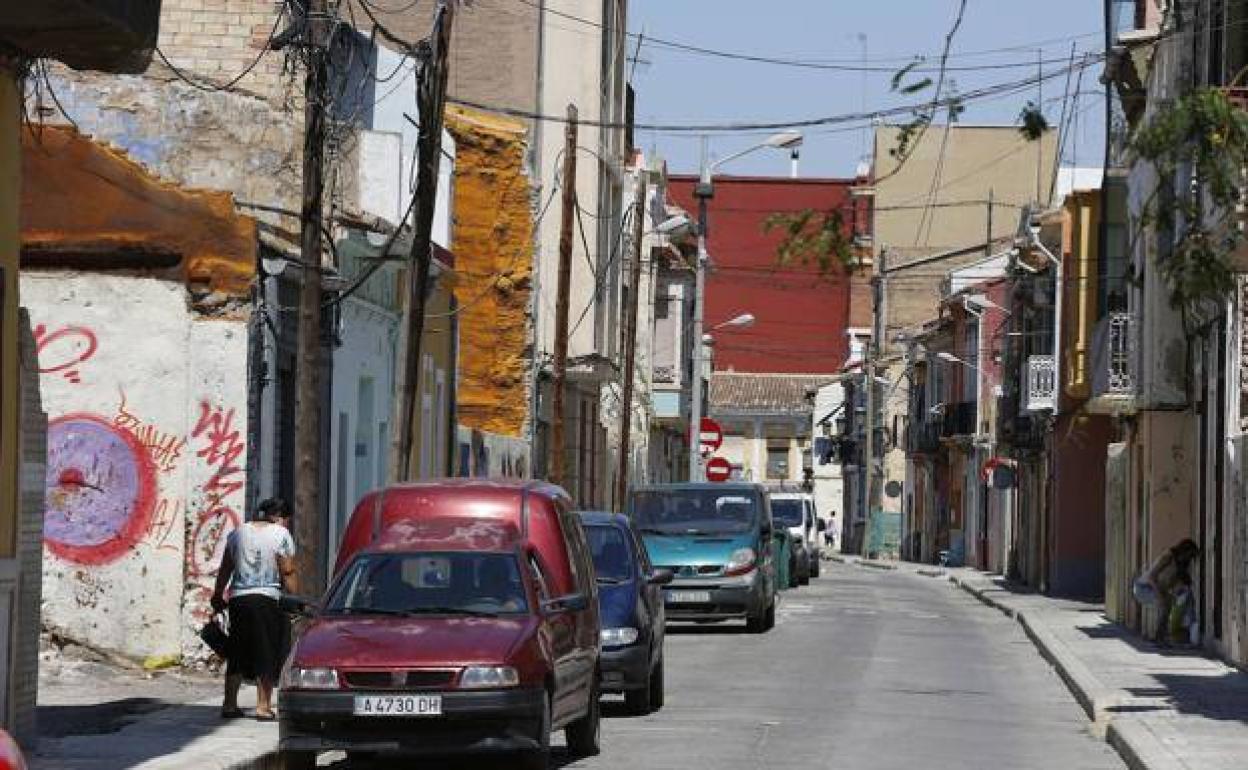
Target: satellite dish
(893, 489)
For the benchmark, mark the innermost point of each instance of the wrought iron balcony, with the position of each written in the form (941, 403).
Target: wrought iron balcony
(960, 419)
(1115, 376)
(1041, 384)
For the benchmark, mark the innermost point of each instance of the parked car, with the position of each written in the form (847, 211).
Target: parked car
(796, 512)
(630, 608)
(717, 541)
(10, 753)
(463, 617)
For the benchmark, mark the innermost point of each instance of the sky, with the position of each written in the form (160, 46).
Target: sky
(682, 87)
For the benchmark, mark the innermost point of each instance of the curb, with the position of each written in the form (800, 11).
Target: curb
(1137, 745)
(858, 561)
(268, 761)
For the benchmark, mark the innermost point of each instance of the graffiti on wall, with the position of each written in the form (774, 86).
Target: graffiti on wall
(62, 350)
(101, 490)
(221, 447)
(164, 448)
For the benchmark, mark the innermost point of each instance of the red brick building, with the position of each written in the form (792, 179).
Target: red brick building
(801, 315)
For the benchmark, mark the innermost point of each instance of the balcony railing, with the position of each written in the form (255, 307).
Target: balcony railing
(1041, 384)
(1115, 376)
(1121, 349)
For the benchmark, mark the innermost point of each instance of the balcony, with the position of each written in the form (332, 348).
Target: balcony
(1041, 384)
(923, 437)
(1115, 377)
(115, 36)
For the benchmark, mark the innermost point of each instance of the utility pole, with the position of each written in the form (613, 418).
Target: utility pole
(988, 238)
(431, 104)
(630, 339)
(703, 191)
(872, 495)
(310, 559)
(558, 430)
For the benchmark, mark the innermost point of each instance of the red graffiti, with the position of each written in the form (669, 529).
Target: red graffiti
(221, 448)
(63, 349)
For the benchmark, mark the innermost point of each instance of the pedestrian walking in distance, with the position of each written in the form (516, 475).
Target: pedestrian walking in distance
(257, 565)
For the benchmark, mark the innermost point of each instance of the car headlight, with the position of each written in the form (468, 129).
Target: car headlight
(741, 562)
(299, 678)
(618, 637)
(488, 677)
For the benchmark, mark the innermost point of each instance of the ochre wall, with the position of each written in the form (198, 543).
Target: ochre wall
(493, 244)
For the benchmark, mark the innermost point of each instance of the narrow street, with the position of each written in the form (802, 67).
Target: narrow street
(864, 669)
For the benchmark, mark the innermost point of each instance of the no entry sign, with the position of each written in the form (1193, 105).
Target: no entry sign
(711, 437)
(718, 469)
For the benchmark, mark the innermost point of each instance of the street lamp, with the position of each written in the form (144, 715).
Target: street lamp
(704, 191)
(743, 321)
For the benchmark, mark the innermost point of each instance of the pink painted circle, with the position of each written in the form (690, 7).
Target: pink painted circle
(101, 490)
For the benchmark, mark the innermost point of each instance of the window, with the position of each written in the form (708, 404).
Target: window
(777, 462)
(435, 583)
(612, 561)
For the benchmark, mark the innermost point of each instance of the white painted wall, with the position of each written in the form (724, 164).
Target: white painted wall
(573, 73)
(363, 389)
(147, 457)
(829, 486)
(395, 98)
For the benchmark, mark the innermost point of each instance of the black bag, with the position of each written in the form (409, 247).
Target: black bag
(214, 635)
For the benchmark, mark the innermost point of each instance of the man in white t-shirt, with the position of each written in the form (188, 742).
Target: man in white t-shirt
(257, 565)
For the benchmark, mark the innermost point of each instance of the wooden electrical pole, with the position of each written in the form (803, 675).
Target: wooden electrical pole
(308, 533)
(558, 430)
(630, 340)
(431, 103)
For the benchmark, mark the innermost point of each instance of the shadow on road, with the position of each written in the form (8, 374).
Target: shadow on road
(558, 758)
(708, 629)
(94, 718)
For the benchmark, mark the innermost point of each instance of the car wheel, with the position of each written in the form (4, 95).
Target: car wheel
(539, 758)
(361, 756)
(814, 568)
(769, 618)
(298, 760)
(656, 686)
(754, 623)
(584, 736)
(638, 702)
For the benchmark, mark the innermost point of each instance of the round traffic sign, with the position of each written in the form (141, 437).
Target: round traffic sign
(718, 469)
(711, 437)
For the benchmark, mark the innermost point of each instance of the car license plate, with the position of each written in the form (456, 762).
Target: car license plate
(688, 597)
(398, 705)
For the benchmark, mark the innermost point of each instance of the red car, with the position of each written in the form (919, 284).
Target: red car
(10, 753)
(462, 619)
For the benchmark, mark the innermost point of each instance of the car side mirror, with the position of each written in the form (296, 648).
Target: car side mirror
(569, 603)
(661, 577)
(297, 605)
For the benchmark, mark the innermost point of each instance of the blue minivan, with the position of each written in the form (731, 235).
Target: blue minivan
(630, 608)
(717, 541)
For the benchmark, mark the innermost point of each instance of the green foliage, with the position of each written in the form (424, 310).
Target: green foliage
(1031, 122)
(812, 238)
(1198, 147)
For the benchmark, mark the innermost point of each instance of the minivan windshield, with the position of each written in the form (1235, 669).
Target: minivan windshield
(613, 563)
(695, 511)
(430, 583)
(787, 511)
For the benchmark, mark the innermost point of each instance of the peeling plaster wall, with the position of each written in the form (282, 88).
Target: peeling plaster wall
(146, 456)
(493, 242)
(213, 140)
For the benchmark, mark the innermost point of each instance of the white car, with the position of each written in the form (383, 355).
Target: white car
(796, 511)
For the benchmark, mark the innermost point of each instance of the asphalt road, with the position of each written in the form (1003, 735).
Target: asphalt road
(865, 669)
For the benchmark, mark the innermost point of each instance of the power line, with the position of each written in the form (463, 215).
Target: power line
(831, 65)
(264, 49)
(999, 89)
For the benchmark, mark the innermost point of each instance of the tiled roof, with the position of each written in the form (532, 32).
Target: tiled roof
(764, 393)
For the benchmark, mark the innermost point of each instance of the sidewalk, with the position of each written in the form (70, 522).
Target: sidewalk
(1160, 709)
(94, 716)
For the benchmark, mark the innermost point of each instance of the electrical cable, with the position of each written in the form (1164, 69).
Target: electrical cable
(264, 49)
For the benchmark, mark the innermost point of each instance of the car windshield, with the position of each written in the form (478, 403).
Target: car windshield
(695, 511)
(612, 561)
(429, 583)
(787, 512)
